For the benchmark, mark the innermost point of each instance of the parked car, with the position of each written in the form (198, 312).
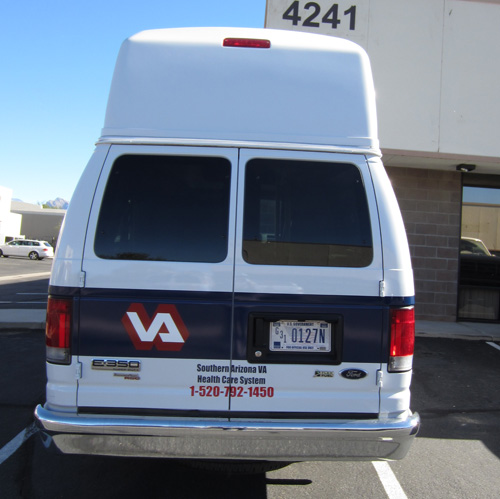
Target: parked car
(473, 246)
(34, 250)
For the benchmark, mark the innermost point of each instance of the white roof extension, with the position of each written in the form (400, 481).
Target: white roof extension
(174, 85)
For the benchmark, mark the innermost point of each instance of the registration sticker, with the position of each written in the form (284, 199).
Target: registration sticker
(300, 336)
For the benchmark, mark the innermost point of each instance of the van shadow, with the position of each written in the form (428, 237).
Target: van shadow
(51, 475)
(456, 390)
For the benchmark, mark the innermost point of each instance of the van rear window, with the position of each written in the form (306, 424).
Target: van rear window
(165, 208)
(305, 213)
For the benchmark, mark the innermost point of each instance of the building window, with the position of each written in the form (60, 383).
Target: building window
(479, 287)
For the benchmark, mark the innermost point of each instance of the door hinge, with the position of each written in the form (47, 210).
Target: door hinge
(380, 378)
(381, 288)
(78, 373)
(82, 279)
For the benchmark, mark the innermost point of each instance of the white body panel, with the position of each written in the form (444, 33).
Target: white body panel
(67, 266)
(193, 389)
(181, 276)
(309, 280)
(398, 274)
(62, 386)
(254, 94)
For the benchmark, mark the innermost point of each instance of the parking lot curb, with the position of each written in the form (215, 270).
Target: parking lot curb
(17, 326)
(24, 277)
(457, 336)
(458, 330)
(22, 319)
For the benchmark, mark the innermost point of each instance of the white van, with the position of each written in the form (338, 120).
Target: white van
(233, 280)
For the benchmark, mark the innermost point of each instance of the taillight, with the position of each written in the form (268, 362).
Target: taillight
(253, 43)
(58, 330)
(402, 339)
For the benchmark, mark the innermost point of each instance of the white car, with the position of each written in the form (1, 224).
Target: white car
(34, 250)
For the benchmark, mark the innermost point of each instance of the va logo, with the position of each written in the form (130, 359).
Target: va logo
(165, 330)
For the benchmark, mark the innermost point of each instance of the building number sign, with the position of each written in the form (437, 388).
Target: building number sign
(339, 18)
(312, 15)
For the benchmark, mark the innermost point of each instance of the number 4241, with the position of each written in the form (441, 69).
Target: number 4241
(331, 16)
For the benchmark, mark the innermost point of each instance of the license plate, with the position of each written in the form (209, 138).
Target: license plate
(300, 336)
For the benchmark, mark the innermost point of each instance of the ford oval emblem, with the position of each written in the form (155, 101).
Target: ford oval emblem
(353, 374)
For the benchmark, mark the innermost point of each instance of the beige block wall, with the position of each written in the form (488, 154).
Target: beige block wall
(430, 202)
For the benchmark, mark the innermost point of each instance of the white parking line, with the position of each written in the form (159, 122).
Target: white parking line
(7, 450)
(391, 485)
(494, 345)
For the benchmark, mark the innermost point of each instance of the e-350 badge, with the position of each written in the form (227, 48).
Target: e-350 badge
(116, 365)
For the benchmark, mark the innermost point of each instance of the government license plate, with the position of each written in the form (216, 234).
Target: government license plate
(300, 336)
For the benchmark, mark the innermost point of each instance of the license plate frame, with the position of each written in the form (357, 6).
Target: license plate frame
(258, 338)
(300, 336)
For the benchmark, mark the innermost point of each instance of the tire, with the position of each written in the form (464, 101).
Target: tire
(34, 255)
(1, 253)
(235, 467)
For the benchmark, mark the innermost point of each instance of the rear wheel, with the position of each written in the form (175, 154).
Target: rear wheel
(34, 255)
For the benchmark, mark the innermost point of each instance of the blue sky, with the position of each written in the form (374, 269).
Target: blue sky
(57, 60)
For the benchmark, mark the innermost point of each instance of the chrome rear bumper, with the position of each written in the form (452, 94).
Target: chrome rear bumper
(222, 439)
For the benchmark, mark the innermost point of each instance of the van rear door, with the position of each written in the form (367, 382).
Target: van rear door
(308, 320)
(155, 312)
(211, 287)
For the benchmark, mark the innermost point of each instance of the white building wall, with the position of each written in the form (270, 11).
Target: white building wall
(405, 48)
(10, 223)
(470, 103)
(436, 72)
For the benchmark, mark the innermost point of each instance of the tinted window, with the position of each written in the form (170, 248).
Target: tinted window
(165, 208)
(306, 213)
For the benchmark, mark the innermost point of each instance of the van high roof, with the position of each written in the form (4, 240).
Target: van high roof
(254, 96)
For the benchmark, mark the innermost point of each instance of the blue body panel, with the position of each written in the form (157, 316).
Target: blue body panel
(208, 316)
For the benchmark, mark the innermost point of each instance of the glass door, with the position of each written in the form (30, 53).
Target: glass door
(479, 286)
